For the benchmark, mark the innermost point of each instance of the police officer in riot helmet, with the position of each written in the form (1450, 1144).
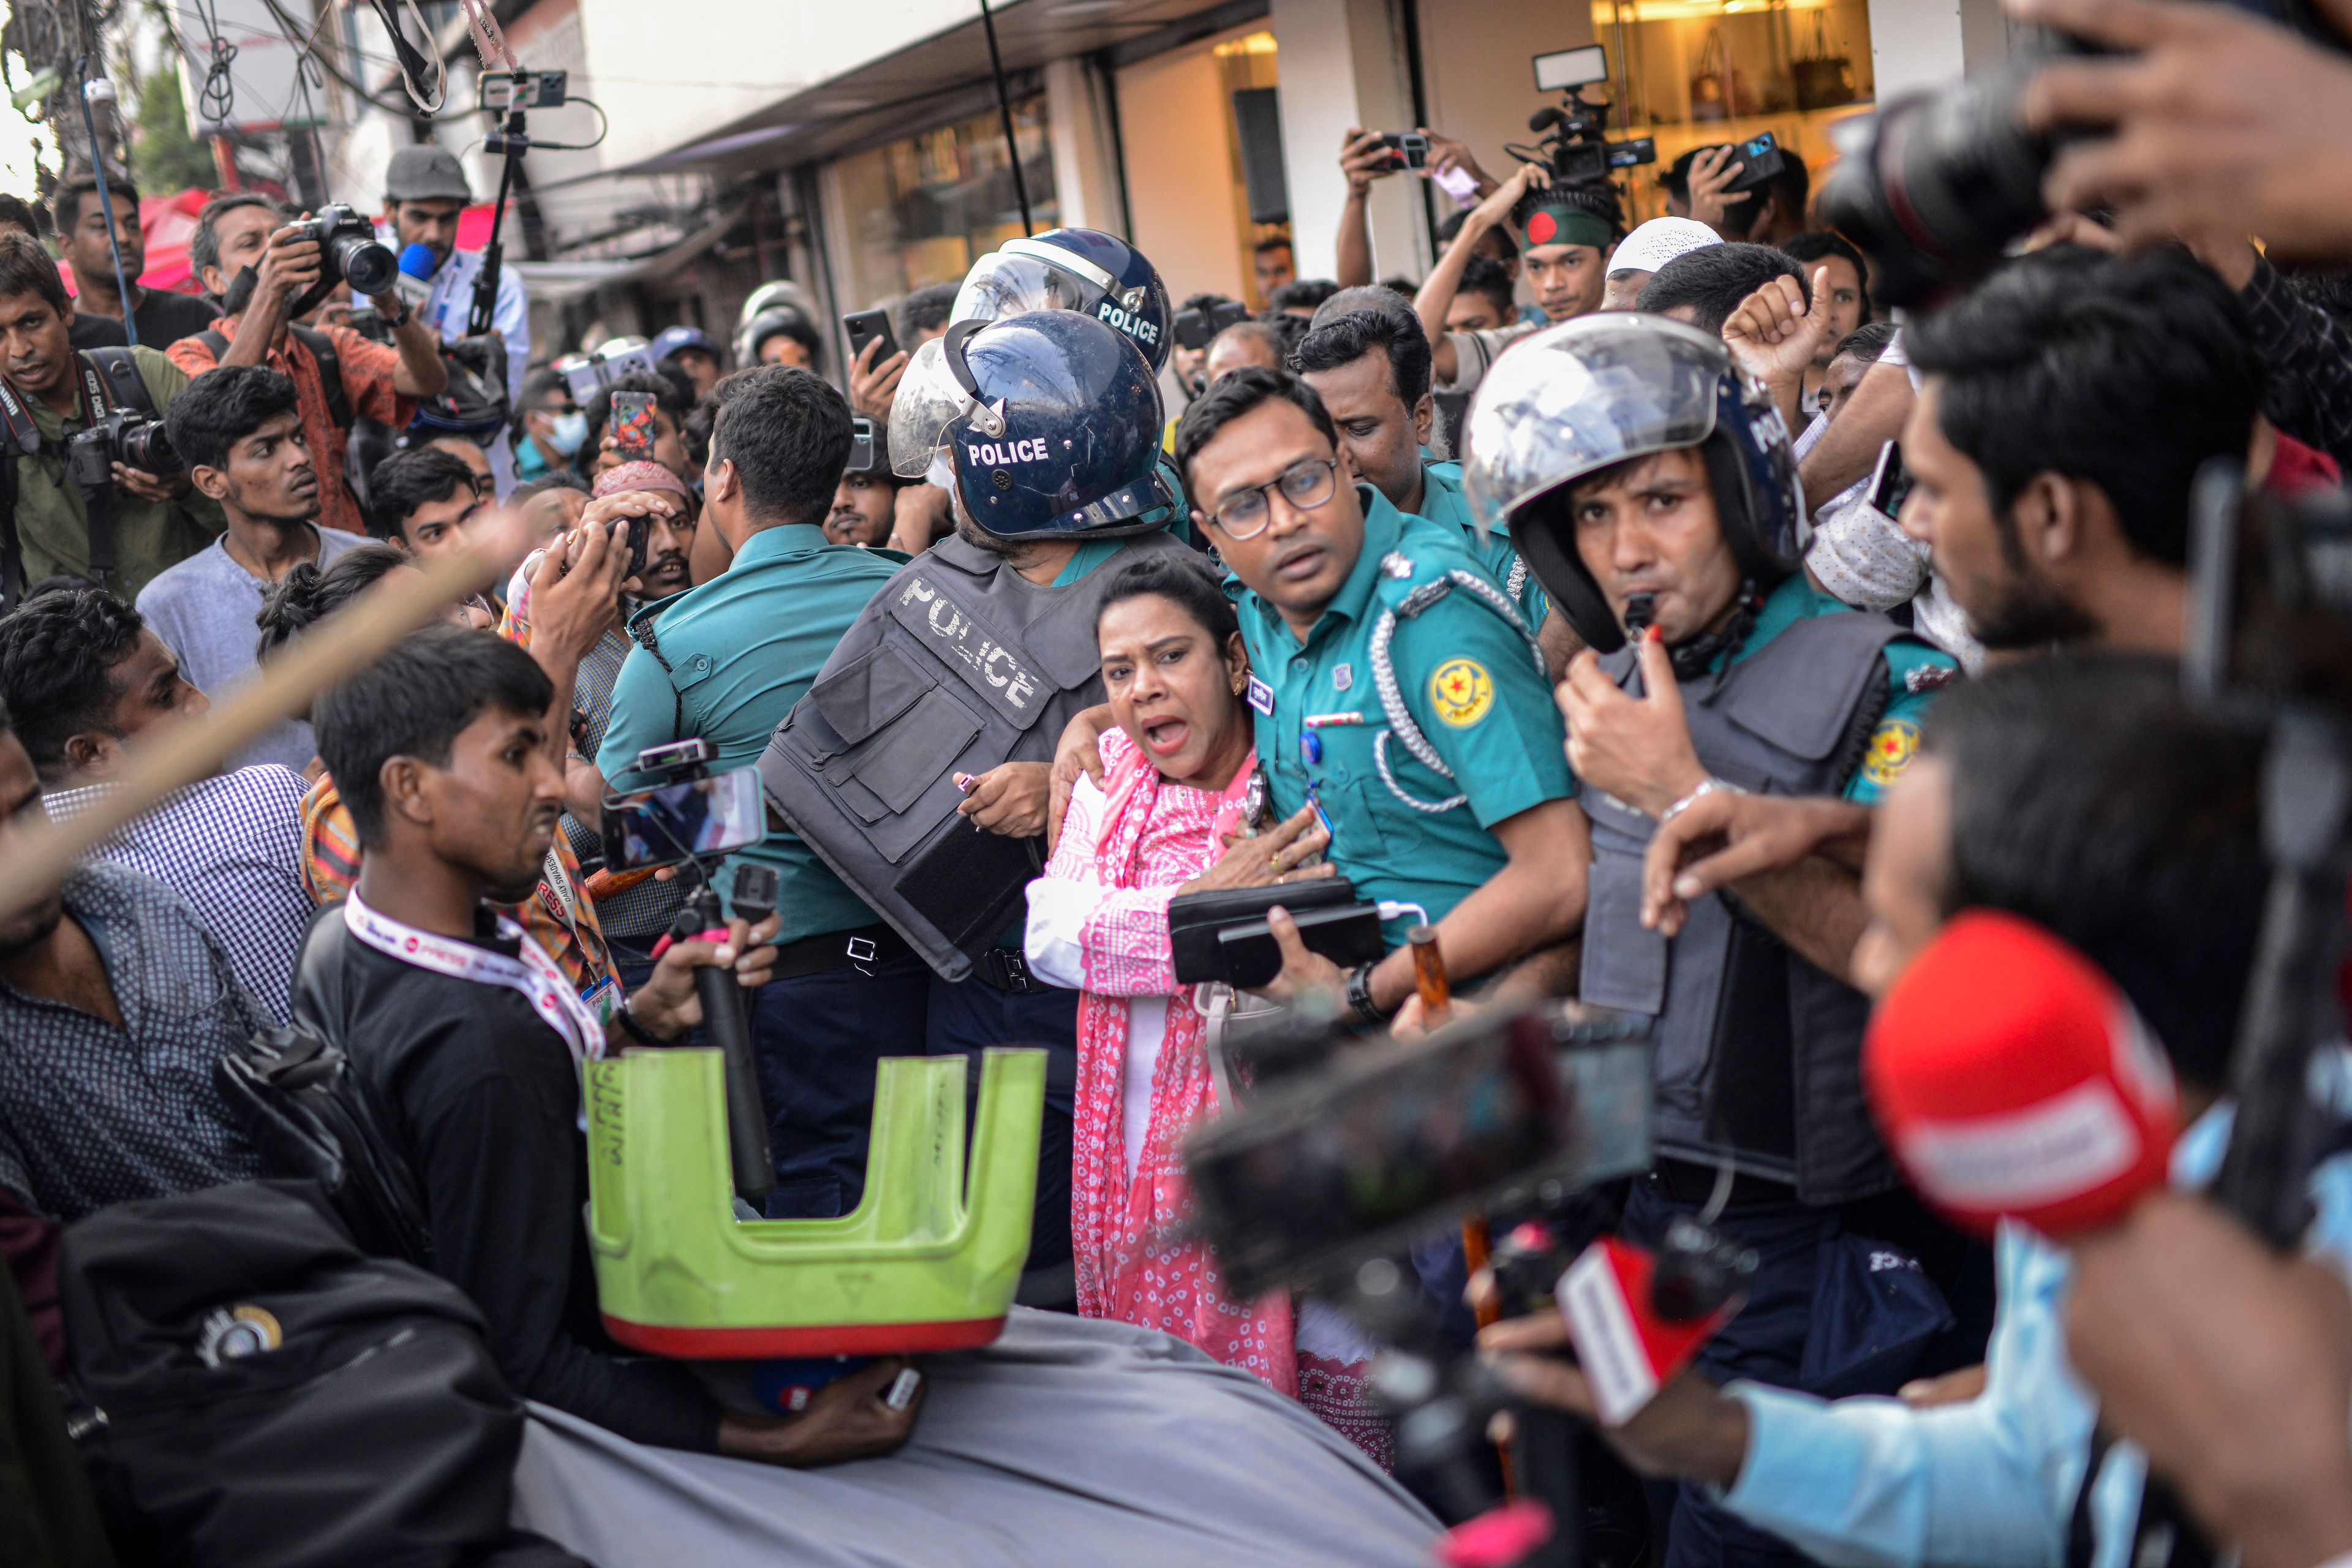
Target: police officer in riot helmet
(1094, 274)
(917, 765)
(1650, 486)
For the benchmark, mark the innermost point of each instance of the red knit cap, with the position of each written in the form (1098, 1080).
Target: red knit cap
(640, 476)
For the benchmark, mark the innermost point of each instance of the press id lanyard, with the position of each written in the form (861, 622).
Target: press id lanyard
(532, 972)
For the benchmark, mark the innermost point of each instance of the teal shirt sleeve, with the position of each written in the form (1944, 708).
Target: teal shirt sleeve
(645, 713)
(1915, 675)
(1471, 683)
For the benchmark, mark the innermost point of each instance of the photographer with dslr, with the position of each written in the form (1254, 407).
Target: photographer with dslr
(1652, 491)
(69, 501)
(266, 276)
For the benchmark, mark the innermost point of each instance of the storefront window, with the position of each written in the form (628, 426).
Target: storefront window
(1692, 73)
(923, 209)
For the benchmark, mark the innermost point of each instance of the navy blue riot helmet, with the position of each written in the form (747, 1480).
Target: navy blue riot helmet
(1049, 421)
(1082, 269)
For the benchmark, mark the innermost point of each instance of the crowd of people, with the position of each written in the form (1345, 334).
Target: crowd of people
(1643, 615)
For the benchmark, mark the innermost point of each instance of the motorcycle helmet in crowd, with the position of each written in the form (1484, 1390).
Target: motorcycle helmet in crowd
(1046, 426)
(1598, 390)
(783, 307)
(1081, 269)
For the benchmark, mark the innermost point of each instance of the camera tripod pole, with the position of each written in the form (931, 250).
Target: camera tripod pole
(1004, 113)
(98, 87)
(750, 1161)
(511, 144)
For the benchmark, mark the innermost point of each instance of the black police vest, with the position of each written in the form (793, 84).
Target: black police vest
(1758, 1052)
(958, 665)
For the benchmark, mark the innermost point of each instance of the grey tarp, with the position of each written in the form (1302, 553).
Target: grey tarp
(1068, 1441)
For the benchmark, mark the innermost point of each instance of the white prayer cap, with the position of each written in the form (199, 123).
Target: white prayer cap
(1659, 241)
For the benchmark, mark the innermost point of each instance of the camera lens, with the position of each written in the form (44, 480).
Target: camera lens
(147, 446)
(367, 264)
(1940, 185)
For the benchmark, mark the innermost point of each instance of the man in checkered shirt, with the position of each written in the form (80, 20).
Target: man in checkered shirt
(115, 1004)
(87, 679)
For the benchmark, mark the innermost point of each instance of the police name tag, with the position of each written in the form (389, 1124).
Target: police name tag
(1261, 696)
(990, 667)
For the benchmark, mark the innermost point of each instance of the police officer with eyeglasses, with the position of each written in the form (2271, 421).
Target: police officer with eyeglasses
(1395, 688)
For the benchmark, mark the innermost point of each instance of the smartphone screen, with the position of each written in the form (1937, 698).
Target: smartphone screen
(633, 426)
(676, 822)
(1394, 1143)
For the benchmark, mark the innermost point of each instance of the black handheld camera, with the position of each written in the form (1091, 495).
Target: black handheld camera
(1198, 328)
(348, 252)
(121, 436)
(1935, 184)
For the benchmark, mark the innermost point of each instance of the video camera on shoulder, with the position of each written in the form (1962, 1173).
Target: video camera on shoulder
(1506, 1111)
(1576, 153)
(693, 813)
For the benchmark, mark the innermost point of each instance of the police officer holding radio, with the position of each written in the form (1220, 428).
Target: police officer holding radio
(1397, 690)
(918, 764)
(1650, 486)
(91, 487)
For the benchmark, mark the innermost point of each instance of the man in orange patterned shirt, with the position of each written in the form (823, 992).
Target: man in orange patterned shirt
(258, 270)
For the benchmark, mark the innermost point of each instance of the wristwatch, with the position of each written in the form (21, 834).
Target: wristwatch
(1359, 995)
(406, 315)
(634, 1029)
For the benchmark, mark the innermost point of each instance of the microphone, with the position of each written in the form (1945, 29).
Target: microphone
(2012, 1080)
(415, 283)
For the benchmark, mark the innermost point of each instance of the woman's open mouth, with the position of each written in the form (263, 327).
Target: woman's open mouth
(1162, 736)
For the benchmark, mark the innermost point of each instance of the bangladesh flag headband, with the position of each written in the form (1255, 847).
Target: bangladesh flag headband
(1558, 223)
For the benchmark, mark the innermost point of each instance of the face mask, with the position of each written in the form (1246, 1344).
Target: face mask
(570, 431)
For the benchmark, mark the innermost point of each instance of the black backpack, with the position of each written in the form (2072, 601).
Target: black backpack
(249, 1388)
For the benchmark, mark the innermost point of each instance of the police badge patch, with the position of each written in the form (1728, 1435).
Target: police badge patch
(1461, 691)
(1891, 746)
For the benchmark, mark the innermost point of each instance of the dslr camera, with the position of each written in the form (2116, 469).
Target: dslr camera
(121, 436)
(1935, 185)
(348, 252)
(1577, 153)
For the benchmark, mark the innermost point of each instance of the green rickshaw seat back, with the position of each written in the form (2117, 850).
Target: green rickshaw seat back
(923, 1263)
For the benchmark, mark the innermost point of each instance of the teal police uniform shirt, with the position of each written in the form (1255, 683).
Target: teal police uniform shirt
(742, 649)
(1441, 501)
(1915, 674)
(1468, 680)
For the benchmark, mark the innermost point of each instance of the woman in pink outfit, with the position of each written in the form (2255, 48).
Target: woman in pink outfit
(1168, 818)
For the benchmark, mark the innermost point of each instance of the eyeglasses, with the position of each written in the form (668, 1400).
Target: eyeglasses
(1305, 484)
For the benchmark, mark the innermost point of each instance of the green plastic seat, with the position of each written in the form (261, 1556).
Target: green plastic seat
(918, 1266)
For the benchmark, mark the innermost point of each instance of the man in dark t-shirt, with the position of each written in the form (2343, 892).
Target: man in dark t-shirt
(472, 1036)
(162, 317)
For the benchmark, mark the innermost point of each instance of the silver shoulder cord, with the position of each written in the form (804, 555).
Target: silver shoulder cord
(1384, 679)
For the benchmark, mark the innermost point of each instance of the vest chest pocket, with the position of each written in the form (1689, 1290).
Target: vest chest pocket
(903, 732)
(1624, 961)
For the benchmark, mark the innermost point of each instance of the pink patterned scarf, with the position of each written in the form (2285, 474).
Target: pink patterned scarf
(1155, 836)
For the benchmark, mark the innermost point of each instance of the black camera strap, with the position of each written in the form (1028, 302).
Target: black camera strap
(331, 369)
(97, 500)
(24, 441)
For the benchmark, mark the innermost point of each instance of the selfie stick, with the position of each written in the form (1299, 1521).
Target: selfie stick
(99, 87)
(284, 687)
(750, 1161)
